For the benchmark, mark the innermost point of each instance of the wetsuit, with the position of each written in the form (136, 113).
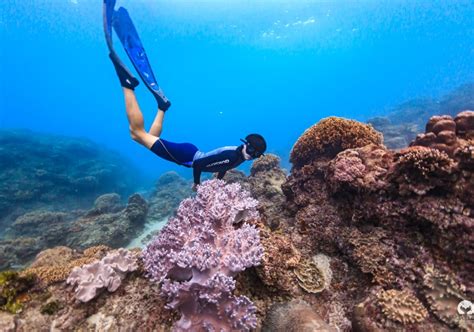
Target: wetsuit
(186, 154)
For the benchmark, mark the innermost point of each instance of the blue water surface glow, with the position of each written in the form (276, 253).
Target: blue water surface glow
(229, 67)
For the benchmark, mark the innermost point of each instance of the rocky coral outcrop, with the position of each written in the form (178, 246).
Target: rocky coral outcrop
(354, 202)
(265, 180)
(447, 134)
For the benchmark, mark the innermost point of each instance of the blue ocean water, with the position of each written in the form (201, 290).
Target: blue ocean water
(229, 67)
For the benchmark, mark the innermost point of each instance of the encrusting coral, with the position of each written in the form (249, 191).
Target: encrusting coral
(419, 169)
(329, 137)
(279, 260)
(401, 306)
(107, 273)
(314, 275)
(198, 252)
(55, 265)
(443, 295)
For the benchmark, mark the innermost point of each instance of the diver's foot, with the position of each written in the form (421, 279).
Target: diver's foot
(163, 102)
(127, 80)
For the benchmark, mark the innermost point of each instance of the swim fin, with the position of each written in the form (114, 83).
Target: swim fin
(126, 78)
(128, 35)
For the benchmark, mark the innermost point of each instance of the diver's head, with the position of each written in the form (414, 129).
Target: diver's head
(254, 146)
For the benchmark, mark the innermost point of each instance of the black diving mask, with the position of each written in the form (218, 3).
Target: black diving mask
(251, 151)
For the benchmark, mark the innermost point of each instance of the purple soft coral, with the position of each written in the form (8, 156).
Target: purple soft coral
(197, 254)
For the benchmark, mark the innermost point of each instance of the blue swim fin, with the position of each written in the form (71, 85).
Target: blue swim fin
(126, 78)
(128, 35)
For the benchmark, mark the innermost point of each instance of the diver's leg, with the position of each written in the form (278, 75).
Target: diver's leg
(157, 125)
(135, 120)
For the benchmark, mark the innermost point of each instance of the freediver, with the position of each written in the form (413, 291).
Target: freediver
(186, 154)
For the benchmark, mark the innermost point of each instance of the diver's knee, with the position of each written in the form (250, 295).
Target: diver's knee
(136, 135)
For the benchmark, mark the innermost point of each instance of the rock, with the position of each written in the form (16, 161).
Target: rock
(295, 316)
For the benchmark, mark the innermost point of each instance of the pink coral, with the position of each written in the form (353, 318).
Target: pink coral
(197, 254)
(106, 273)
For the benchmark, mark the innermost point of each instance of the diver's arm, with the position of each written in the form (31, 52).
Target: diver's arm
(221, 175)
(197, 174)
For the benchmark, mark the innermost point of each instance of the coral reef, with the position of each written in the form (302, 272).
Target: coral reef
(357, 237)
(329, 137)
(135, 306)
(40, 171)
(197, 254)
(294, 316)
(107, 223)
(107, 273)
(349, 207)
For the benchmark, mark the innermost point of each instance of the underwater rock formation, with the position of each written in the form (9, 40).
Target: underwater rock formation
(353, 204)
(111, 229)
(107, 273)
(401, 125)
(295, 316)
(395, 136)
(107, 223)
(197, 254)
(169, 191)
(135, 306)
(40, 171)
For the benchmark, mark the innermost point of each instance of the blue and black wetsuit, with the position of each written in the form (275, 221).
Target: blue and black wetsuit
(186, 154)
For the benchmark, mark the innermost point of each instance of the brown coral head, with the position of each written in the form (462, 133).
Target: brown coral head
(329, 137)
(465, 124)
(442, 123)
(265, 163)
(432, 122)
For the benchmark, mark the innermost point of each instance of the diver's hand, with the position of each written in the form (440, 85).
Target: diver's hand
(195, 187)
